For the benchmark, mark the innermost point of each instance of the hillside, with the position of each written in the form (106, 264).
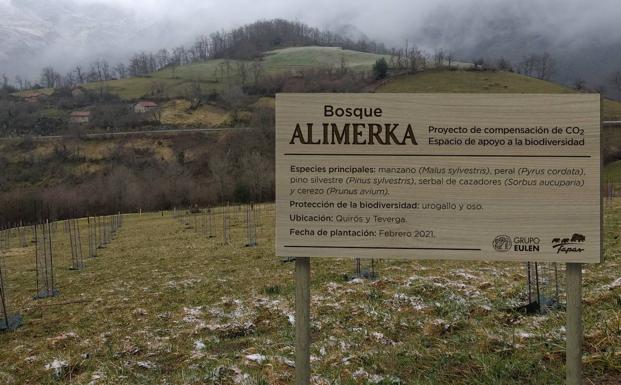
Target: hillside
(74, 166)
(218, 73)
(163, 303)
(484, 82)
(77, 176)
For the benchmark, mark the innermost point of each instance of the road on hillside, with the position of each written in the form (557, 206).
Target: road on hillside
(129, 133)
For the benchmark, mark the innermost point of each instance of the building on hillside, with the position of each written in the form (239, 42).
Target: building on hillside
(145, 106)
(80, 117)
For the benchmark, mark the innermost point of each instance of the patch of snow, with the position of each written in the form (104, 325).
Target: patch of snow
(146, 364)
(258, 358)
(360, 373)
(199, 345)
(58, 366)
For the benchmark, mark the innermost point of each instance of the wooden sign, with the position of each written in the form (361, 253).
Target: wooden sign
(439, 176)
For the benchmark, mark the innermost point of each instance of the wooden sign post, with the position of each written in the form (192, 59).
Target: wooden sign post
(574, 324)
(439, 176)
(302, 320)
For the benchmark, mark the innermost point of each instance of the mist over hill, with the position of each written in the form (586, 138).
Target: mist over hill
(583, 37)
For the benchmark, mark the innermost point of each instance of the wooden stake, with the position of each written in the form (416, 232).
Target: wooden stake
(302, 321)
(574, 324)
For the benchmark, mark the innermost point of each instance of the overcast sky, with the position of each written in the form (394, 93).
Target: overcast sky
(387, 20)
(464, 26)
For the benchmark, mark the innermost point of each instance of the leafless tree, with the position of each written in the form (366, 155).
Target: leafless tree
(450, 57)
(540, 66)
(616, 80)
(219, 168)
(579, 84)
(20, 82)
(503, 64)
(439, 58)
(162, 58)
(120, 70)
(547, 66)
(193, 93)
(69, 79)
(49, 77)
(257, 70)
(158, 87)
(242, 71)
(416, 60)
(79, 74)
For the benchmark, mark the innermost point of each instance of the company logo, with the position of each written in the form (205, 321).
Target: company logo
(569, 245)
(502, 243)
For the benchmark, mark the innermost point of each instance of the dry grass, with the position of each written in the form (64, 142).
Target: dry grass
(165, 304)
(178, 112)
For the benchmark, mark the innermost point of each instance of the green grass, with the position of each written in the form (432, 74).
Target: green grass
(485, 82)
(161, 287)
(213, 74)
(312, 57)
(471, 82)
(612, 171)
(612, 110)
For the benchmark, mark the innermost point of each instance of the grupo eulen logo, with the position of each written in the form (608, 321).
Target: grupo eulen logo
(502, 243)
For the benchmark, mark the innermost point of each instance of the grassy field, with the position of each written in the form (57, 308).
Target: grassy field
(612, 172)
(165, 304)
(484, 82)
(214, 74)
(177, 112)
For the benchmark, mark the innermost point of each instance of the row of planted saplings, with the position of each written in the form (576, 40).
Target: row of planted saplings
(211, 221)
(100, 231)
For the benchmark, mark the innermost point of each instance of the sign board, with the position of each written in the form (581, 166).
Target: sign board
(509, 177)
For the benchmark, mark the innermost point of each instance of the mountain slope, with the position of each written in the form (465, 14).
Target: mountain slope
(218, 73)
(484, 82)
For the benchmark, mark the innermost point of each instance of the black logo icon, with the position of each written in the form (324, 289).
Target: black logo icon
(502, 243)
(569, 245)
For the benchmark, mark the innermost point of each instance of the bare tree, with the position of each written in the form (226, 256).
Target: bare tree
(158, 87)
(242, 71)
(121, 71)
(20, 82)
(450, 57)
(547, 66)
(193, 93)
(540, 66)
(416, 60)
(162, 58)
(579, 84)
(79, 74)
(69, 79)
(257, 70)
(504, 65)
(49, 77)
(438, 58)
(106, 73)
(616, 80)
(219, 168)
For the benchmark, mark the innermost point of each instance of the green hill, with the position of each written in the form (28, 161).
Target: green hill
(484, 82)
(215, 74)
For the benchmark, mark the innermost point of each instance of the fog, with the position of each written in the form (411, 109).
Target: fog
(584, 36)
